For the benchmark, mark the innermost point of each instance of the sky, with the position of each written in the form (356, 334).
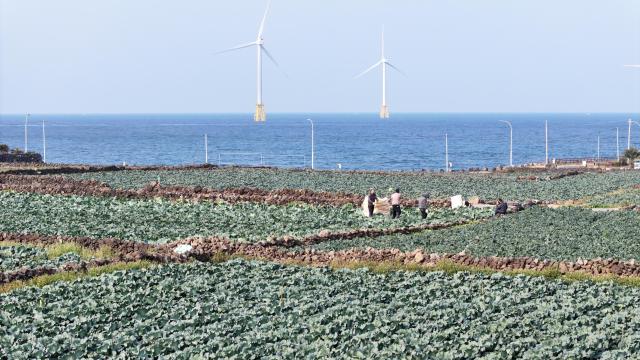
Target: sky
(158, 56)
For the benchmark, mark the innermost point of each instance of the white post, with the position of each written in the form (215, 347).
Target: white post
(618, 143)
(510, 145)
(546, 143)
(629, 136)
(44, 144)
(206, 149)
(26, 133)
(312, 145)
(510, 142)
(446, 152)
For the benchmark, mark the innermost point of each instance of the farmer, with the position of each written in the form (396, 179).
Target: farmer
(501, 207)
(371, 201)
(395, 204)
(423, 203)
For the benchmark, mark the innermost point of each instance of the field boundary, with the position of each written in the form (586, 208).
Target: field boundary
(208, 249)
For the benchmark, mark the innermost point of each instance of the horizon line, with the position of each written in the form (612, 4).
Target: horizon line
(327, 113)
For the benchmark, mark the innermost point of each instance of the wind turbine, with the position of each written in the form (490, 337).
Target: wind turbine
(260, 114)
(383, 63)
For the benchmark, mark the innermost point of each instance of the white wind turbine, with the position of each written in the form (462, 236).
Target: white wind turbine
(260, 114)
(383, 62)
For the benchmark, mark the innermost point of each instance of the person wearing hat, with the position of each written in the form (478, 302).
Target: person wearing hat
(423, 204)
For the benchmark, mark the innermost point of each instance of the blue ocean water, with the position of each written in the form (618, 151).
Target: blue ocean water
(356, 141)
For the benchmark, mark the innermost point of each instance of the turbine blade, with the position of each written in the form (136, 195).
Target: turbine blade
(632, 66)
(396, 69)
(269, 55)
(266, 52)
(383, 41)
(264, 18)
(369, 69)
(236, 48)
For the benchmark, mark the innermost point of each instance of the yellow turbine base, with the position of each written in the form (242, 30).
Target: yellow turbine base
(384, 112)
(260, 115)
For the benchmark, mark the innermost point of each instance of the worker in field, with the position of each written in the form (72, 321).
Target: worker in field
(501, 207)
(423, 204)
(395, 204)
(371, 201)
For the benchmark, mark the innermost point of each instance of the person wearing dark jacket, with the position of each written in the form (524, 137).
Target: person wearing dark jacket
(501, 207)
(423, 203)
(372, 201)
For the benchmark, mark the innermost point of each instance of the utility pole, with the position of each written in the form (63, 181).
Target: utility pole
(446, 152)
(510, 142)
(206, 149)
(629, 136)
(618, 143)
(312, 145)
(44, 144)
(26, 133)
(546, 143)
(598, 147)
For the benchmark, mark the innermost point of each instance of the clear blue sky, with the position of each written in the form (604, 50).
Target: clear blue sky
(132, 56)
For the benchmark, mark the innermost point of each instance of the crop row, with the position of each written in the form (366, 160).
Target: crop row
(620, 198)
(163, 221)
(245, 309)
(560, 234)
(486, 186)
(13, 257)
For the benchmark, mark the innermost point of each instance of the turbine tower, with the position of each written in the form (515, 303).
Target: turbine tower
(260, 114)
(383, 63)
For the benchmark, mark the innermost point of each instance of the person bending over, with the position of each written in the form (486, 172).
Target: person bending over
(423, 204)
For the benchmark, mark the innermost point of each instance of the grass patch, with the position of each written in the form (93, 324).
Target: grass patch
(13, 244)
(44, 280)
(451, 267)
(57, 250)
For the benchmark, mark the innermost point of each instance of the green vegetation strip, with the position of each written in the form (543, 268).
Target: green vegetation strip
(560, 234)
(15, 256)
(619, 198)
(43, 280)
(244, 309)
(163, 221)
(486, 186)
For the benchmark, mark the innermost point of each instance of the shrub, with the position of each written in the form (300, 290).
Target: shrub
(632, 154)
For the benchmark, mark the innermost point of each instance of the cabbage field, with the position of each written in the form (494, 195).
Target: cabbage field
(486, 186)
(243, 292)
(243, 309)
(14, 257)
(164, 221)
(560, 234)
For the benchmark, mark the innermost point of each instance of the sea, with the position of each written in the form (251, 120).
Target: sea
(410, 141)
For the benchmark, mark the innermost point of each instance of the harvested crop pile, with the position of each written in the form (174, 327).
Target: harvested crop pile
(240, 309)
(440, 186)
(164, 221)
